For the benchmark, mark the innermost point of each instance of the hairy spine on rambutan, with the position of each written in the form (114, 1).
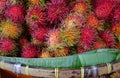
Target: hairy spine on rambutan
(74, 20)
(61, 52)
(54, 40)
(103, 10)
(10, 29)
(35, 17)
(87, 37)
(108, 37)
(15, 12)
(45, 54)
(30, 51)
(56, 11)
(92, 21)
(80, 7)
(40, 34)
(70, 36)
(7, 46)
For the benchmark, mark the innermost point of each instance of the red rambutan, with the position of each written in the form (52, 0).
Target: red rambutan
(35, 17)
(108, 38)
(30, 51)
(87, 37)
(103, 10)
(15, 13)
(40, 34)
(92, 21)
(6, 45)
(56, 10)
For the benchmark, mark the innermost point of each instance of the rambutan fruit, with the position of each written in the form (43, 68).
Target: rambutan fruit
(99, 44)
(115, 28)
(2, 5)
(35, 17)
(10, 29)
(40, 34)
(30, 51)
(61, 52)
(87, 37)
(70, 36)
(53, 40)
(7, 46)
(116, 15)
(103, 10)
(92, 21)
(56, 11)
(80, 7)
(15, 13)
(45, 54)
(108, 38)
(74, 20)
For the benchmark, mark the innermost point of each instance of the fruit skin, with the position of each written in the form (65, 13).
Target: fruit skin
(61, 52)
(87, 37)
(56, 11)
(35, 17)
(74, 20)
(10, 29)
(80, 7)
(92, 21)
(108, 38)
(30, 51)
(103, 10)
(53, 40)
(115, 28)
(15, 12)
(7, 46)
(40, 34)
(69, 36)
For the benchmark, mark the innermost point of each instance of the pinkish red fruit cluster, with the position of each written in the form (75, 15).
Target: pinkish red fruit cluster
(55, 28)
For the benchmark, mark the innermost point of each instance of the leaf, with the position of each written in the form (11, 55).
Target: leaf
(94, 57)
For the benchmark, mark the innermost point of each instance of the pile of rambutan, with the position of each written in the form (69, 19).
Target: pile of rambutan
(56, 28)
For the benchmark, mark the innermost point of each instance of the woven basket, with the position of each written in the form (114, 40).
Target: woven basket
(84, 71)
